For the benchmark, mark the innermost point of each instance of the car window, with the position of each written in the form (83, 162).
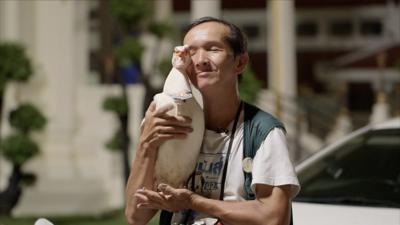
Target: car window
(363, 171)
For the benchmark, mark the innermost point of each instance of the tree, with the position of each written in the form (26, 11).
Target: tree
(18, 147)
(249, 85)
(132, 19)
(14, 66)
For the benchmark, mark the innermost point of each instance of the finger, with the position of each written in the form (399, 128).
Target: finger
(152, 107)
(140, 198)
(166, 137)
(173, 130)
(174, 120)
(164, 109)
(143, 206)
(183, 119)
(153, 197)
(149, 206)
(166, 189)
(165, 196)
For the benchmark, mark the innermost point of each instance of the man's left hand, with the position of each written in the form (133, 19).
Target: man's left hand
(167, 198)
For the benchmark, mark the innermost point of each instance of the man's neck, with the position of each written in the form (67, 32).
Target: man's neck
(220, 111)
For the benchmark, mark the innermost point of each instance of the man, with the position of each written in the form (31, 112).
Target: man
(219, 54)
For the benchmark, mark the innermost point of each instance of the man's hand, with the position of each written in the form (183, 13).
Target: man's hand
(159, 127)
(167, 198)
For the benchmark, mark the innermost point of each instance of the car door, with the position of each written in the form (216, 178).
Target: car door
(358, 182)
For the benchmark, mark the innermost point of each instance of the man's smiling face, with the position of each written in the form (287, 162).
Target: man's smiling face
(213, 62)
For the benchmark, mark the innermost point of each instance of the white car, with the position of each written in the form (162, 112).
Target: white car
(355, 181)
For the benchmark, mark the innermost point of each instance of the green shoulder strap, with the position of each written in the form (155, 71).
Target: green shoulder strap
(257, 125)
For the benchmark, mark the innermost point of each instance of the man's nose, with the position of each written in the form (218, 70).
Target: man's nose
(201, 59)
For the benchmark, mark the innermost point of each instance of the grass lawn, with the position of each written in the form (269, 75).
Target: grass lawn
(114, 218)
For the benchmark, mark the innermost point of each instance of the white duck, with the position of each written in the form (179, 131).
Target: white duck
(43, 221)
(177, 159)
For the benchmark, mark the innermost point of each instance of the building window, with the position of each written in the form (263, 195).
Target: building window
(307, 29)
(94, 36)
(251, 30)
(371, 27)
(360, 96)
(341, 28)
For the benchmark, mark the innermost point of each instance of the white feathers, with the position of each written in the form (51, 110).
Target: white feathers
(42, 221)
(176, 159)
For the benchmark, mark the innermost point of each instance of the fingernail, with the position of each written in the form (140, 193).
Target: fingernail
(161, 186)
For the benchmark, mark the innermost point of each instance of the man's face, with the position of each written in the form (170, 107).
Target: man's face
(214, 64)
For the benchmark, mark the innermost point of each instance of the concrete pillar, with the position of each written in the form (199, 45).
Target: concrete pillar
(342, 126)
(54, 52)
(201, 8)
(392, 20)
(66, 169)
(282, 67)
(82, 44)
(9, 20)
(157, 50)
(282, 55)
(162, 10)
(8, 31)
(380, 109)
(163, 13)
(52, 34)
(55, 33)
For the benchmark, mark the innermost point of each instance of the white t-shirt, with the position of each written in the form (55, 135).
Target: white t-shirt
(271, 166)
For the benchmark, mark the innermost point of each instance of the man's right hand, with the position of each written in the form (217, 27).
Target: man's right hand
(159, 127)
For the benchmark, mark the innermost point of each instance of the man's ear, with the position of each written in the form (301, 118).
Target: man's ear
(241, 62)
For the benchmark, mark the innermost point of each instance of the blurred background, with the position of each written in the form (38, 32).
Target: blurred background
(77, 75)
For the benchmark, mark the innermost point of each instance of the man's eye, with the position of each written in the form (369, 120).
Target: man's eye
(214, 49)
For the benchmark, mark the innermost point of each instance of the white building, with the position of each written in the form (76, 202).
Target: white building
(76, 174)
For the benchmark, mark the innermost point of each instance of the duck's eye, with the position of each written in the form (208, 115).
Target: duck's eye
(192, 52)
